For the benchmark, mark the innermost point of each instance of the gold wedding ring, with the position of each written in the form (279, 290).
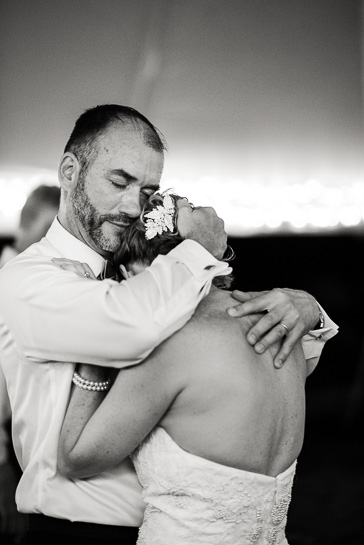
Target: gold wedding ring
(285, 327)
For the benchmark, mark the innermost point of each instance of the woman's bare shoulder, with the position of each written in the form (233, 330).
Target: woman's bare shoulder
(211, 330)
(211, 334)
(214, 308)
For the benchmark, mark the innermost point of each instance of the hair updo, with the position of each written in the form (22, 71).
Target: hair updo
(136, 248)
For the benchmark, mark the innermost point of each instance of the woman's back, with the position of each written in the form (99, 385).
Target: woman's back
(219, 468)
(234, 407)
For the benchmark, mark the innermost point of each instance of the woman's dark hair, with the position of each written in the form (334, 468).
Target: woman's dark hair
(136, 248)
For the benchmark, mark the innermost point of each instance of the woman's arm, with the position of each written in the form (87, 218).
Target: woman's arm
(100, 431)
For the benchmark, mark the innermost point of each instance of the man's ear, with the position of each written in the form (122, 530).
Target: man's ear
(69, 170)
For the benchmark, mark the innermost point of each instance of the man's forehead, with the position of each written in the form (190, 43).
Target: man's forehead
(124, 142)
(128, 130)
(121, 134)
(122, 151)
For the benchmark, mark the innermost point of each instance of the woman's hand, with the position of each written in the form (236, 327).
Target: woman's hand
(81, 269)
(289, 315)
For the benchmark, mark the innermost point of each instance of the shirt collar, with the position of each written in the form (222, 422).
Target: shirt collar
(71, 248)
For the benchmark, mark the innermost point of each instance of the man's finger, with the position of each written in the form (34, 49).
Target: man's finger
(263, 335)
(183, 203)
(184, 212)
(285, 350)
(244, 296)
(251, 305)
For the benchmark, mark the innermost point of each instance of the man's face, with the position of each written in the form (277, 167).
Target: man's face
(112, 192)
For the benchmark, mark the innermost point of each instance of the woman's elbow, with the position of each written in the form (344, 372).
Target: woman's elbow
(72, 466)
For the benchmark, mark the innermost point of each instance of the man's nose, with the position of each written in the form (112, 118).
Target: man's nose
(131, 203)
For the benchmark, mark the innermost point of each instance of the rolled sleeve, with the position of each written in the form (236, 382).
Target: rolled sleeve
(314, 342)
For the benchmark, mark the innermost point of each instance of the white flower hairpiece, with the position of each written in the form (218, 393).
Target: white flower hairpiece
(160, 218)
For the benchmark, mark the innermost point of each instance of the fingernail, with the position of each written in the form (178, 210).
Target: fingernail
(252, 338)
(232, 311)
(278, 363)
(259, 348)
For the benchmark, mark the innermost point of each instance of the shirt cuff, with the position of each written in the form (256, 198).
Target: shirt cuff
(328, 325)
(315, 339)
(199, 260)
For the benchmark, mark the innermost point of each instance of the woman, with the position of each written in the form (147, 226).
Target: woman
(214, 429)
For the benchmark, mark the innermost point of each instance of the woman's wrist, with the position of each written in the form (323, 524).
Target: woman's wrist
(90, 385)
(93, 372)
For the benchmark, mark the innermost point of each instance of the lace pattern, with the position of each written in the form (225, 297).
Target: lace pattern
(190, 500)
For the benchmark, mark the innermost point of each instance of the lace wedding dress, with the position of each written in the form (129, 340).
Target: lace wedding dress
(191, 500)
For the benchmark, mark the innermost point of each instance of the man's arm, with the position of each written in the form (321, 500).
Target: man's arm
(56, 316)
(296, 309)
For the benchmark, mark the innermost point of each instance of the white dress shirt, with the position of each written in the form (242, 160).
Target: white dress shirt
(51, 319)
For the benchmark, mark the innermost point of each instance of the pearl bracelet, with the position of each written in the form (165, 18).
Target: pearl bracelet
(90, 384)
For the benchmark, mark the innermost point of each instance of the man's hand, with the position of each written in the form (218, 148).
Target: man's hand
(288, 313)
(203, 225)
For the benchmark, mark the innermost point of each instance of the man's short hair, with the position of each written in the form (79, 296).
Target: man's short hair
(94, 121)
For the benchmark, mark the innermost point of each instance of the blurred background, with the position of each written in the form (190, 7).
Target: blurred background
(261, 103)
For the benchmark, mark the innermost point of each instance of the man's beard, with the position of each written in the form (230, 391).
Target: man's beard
(91, 220)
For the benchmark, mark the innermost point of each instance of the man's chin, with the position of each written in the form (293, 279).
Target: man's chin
(108, 246)
(110, 238)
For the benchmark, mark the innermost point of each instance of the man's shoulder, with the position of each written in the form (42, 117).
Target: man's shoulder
(37, 250)
(37, 255)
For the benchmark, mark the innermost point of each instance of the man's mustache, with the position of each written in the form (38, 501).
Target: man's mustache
(125, 219)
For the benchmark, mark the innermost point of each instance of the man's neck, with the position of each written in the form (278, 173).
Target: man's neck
(78, 233)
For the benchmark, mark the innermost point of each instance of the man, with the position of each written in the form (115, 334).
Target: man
(36, 217)
(51, 319)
